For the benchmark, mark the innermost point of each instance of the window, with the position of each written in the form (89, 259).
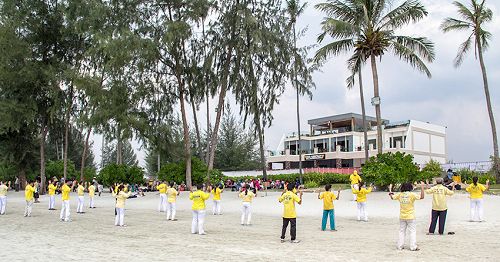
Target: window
(372, 142)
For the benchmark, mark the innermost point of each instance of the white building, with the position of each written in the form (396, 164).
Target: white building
(337, 141)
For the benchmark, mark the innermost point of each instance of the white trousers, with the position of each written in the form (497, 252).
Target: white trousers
(120, 216)
(362, 214)
(79, 208)
(52, 202)
(162, 206)
(476, 209)
(198, 222)
(91, 202)
(171, 210)
(65, 212)
(216, 207)
(3, 204)
(246, 212)
(28, 208)
(411, 226)
(355, 186)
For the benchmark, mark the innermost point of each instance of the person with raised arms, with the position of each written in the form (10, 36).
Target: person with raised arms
(52, 195)
(246, 210)
(476, 199)
(355, 179)
(91, 190)
(29, 193)
(216, 192)
(361, 193)
(65, 208)
(198, 197)
(288, 199)
(121, 196)
(162, 188)
(439, 208)
(81, 197)
(172, 194)
(328, 208)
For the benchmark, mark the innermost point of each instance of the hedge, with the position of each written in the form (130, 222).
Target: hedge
(317, 178)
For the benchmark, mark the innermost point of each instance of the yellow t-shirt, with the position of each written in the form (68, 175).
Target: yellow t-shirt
(361, 194)
(439, 194)
(216, 192)
(476, 192)
(81, 189)
(29, 192)
(328, 198)
(171, 194)
(288, 199)
(91, 191)
(120, 198)
(355, 179)
(199, 197)
(52, 190)
(162, 188)
(65, 189)
(248, 197)
(406, 202)
(3, 190)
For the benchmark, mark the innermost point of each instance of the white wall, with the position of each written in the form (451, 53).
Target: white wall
(421, 141)
(438, 145)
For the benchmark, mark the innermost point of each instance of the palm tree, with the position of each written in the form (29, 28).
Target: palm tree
(368, 27)
(474, 18)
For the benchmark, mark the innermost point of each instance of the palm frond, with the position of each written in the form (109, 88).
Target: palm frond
(342, 10)
(464, 12)
(462, 51)
(408, 11)
(485, 37)
(421, 46)
(410, 57)
(452, 24)
(333, 49)
(354, 63)
(337, 28)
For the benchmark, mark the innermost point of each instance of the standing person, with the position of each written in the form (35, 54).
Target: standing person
(16, 184)
(476, 199)
(289, 199)
(199, 197)
(52, 195)
(439, 207)
(407, 213)
(216, 192)
(100, 188)
(3, 197)
(81, 197)
(172, 194)
(328, 208)
(65, 207)
(37, 191)
(355, 179)
(246, 210)
(121, 196)
(29, 192)
(361, 193)
(91, 189)
(162, 188)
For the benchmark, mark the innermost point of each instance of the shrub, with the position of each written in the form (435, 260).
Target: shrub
(431, 170)
(311, 184)
(389, 168)
(176, 172)
(114, 173)
(318, 178)
(56, 169)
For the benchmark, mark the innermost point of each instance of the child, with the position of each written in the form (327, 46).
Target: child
(172, 198)
(52, 195)
(81, 198)
(216, 192)
(328, 209)
(199, 197)
(65, 209)
(476, 199)
(407, 213)
(91, 189)
(361, 193)
(121, 196)
(29, 192)
(246, 210)
(288, 199)
(162, 188)
(3, 197)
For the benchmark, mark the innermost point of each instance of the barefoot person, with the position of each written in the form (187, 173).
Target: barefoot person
(361, 200)
(328, 209)
(91, 189)
(216, 192)
(288, 199)
(172, 194)
(29, 193)
(3, 197)
(81, 198)
(246, 210)
(407, 213)
(162, 188)
(355, 179)
(65, 208)
(439, 207)
(121, 196)
(52, 195)
(198, 197)
(476, 199)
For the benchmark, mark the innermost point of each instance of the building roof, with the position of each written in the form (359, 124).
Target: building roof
(340, 118)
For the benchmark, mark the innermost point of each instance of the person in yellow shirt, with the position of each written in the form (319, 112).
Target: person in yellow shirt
(328, 209)
(288, 199)
(216, 192)
(198, 197)
(172, 194)
(162, 188)
(52, 195)
(476, 199)
(361, 193)
(355, 179)
(91, 190)
(407, 213)
(246, 211)
(65, 209)
(3, 196)
(81, 197)
(29, 192)
(439, 207)
(121, 196)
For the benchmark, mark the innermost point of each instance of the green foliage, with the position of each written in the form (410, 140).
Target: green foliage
(311, 184)
(467, 175)
(176, 172)
(56, 169)
(115, 173)
(129, 156)
(7, 172)
(391, 168)
(318, 178)
(431, 170)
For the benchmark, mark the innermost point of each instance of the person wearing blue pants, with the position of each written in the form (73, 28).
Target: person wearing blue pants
(328, 209)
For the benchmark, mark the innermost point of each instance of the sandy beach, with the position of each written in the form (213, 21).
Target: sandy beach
(149, 237)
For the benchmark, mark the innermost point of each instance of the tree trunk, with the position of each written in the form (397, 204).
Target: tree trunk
(119, 149)
(66, 135)
(42, 159)
(298, 105)
(260, 133)
(22, 179)
(380, 142)
(198, 137)
(187, 143)
(207, 151)
(363, 113)
(490, 109)
(158, 162)
(84, 154)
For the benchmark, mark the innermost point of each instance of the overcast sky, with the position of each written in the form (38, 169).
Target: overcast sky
(452, 97)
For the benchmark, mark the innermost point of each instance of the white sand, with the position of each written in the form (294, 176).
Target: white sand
(93, 237)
